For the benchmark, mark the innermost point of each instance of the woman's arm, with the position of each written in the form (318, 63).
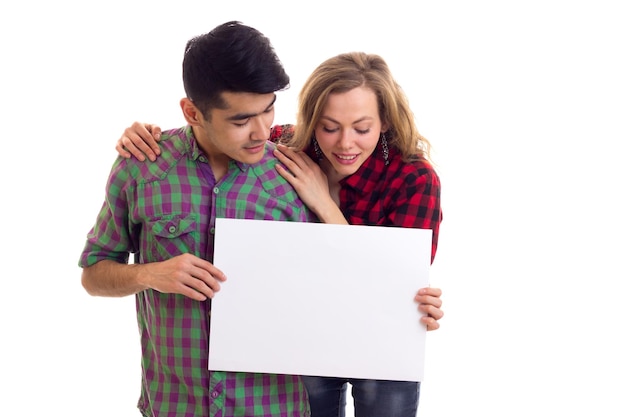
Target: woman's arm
(417, 203)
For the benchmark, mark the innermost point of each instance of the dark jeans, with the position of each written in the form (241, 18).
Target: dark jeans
(372, 398)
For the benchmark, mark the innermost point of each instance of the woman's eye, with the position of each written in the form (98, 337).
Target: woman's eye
(329, 130)
(362, 132)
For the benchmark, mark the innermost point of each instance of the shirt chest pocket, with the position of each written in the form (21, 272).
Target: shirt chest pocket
(173, 235)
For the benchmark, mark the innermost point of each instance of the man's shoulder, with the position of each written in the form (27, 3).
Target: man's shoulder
(267, 175)
(174, 144)
(268, 161)
(270, 184)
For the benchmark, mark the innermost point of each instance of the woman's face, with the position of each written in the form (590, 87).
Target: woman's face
(348, 130)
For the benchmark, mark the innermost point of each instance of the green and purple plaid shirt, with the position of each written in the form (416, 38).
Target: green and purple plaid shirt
(161, 209)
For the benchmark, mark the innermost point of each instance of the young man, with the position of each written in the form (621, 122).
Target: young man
(219, 165)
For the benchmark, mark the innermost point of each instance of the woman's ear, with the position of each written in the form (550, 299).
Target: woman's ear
(192, 115)
(384, 127)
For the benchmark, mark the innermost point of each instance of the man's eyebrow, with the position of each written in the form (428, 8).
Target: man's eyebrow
(243, 116)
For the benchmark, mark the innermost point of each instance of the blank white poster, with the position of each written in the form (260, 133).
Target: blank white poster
(319, 299)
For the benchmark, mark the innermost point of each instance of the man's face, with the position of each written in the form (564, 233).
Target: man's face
(241, 130)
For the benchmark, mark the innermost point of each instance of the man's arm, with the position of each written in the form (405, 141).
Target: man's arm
(185, 274)
(112, 279)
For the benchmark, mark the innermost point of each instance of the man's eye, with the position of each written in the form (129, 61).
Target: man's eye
(242, 124)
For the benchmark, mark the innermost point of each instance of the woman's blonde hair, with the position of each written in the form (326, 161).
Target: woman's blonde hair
(345, 72)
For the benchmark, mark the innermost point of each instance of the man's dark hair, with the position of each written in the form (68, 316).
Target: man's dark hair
(232, 57)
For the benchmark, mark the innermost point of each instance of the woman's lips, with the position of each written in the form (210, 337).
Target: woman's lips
(345, 159)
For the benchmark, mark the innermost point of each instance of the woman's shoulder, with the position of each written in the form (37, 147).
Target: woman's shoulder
(416, 166)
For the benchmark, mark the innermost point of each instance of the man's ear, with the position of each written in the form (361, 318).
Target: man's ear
(192, 115)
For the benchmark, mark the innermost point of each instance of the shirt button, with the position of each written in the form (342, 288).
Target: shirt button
(172, 229)
(216, 190)
(202, 159)
(215, 394)
(212, 231)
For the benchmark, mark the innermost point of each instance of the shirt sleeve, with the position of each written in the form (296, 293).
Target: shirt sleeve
(110, 237)
(417, 203)
(281, 133)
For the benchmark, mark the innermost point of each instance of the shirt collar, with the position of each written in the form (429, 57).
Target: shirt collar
(370, 173)
(196, 152)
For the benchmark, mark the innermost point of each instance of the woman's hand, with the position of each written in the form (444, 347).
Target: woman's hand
(429, 300)
(140, 140)
(310, 183)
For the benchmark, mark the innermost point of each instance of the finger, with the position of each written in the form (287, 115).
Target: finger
(197, 294)
(208, 273)
(431, 311)
(288, 176)
(433, 291)
(287, 157)
(153, 137)
(201, 287)
(430, 323)
(193, 284)
(298, 163)
(156, 132)
(306, 160)
(124, 143)
(290, 168)
(211, 269)
(122, 151)
(428, 300)
(429, 296)
(289, 152)
(137, 143)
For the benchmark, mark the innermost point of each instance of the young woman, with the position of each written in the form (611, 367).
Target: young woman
(355, 156)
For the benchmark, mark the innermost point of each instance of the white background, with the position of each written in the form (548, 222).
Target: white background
(523, 101)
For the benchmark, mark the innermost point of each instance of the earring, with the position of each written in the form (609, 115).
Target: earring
(318, 151)
(385, 146)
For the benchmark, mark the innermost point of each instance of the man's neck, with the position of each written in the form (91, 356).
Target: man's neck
(219, 165)
(218, 161)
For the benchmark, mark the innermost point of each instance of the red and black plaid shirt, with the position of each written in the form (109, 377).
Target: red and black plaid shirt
(403, 194)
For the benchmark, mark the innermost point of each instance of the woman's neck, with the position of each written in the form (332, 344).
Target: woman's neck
(333, 179)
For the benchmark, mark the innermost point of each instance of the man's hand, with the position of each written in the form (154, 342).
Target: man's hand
(184, 274)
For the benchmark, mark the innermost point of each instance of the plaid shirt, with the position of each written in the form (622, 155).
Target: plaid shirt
(399, 194)
(403, 194)
(165, 208)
